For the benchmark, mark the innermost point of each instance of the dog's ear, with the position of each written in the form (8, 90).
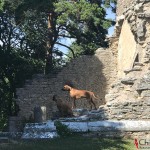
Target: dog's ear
(69, 83)
(63, 89)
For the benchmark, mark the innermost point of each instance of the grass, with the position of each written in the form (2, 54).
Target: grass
(71, 143)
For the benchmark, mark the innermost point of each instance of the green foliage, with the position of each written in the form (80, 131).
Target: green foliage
(110, 4)
(1, 4)
(72, 143)
(85, 22)
(3, 121)
(62, 130)
(18, 61)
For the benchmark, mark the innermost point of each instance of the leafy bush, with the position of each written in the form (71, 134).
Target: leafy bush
(3, 123)
(63, 130)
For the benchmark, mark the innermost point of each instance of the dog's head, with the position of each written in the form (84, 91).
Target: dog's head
(66, 88)
(57, 99)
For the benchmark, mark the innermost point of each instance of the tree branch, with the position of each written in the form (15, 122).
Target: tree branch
(65, 36)
(67, 47)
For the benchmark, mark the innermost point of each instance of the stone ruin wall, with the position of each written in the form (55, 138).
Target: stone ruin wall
(129, 96)
(119, 75)
(94, 73)
(122, 5)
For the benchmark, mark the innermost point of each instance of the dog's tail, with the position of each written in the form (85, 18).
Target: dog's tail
(96, 97)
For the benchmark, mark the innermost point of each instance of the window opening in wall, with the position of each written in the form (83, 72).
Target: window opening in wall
(137, 58)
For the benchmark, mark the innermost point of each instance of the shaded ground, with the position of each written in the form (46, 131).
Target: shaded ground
(71, 143)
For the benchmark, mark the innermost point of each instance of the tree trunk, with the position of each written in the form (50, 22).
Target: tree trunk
(49, 57)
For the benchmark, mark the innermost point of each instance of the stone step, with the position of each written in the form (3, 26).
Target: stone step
(105, 125)
(40, 127)
(4, 140)
(10, 134)
(109, 125)
(36, 129)
(39, 135)
(39, 130)
(6, 136)
(87, 125)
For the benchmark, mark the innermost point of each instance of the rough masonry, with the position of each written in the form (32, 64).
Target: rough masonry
(94, 73)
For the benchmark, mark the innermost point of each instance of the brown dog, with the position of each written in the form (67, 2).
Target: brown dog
(63, 107)
(76, 94)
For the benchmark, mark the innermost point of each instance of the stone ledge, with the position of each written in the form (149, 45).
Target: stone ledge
(77, 126)
(144, 15)
(128, 80)
(90, 126)
(143, 0)
(109, 125)
(10, 135)
(131, 70)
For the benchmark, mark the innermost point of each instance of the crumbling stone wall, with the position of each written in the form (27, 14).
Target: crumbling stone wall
(129, 110)
(122, 5)
(132, 83)
(94, 73)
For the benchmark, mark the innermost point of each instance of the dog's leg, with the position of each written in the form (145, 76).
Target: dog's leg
(93, 103)
(89, 100)
(74, 103)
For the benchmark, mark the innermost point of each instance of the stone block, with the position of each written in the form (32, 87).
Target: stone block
(44, 130)
(141, 29)
(128, 80)
(144, 83)
(40, 114)
(42, 135)
(145, 93)
(124, 125)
